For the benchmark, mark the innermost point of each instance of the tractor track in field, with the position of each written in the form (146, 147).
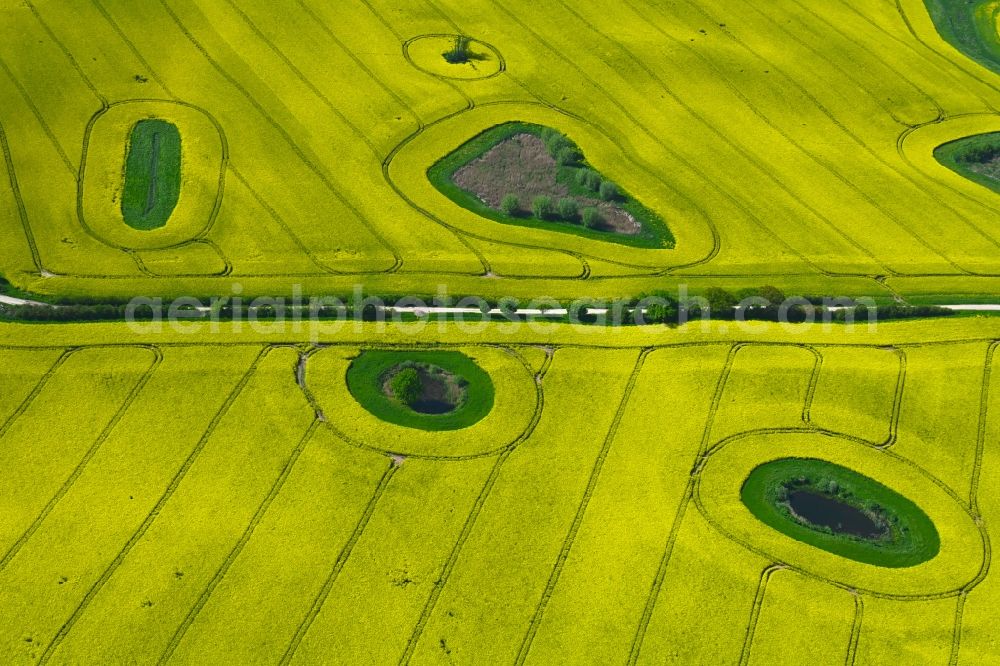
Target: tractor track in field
(338, 565)
(228, 269)
(473, 517)
(867, 149)
(706, 449)
(755, 608)
(288, 139)
(570, 538)
(151, 517)
(859, 618)
(81, 466)
(234, 553)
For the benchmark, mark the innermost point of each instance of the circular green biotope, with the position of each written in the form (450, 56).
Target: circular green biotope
(841, 511)
(429, 390)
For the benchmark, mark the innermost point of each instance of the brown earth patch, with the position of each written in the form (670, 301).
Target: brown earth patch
(990, 169)
(522, 165)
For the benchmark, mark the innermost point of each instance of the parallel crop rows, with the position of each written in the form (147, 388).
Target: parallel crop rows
(552, 573)
(331, 208)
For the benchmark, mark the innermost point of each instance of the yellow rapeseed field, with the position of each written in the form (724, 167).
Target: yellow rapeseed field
(255, 518)
(232, 493)
(789, 144)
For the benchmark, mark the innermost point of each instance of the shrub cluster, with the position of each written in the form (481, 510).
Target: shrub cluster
(980, 154)
(510, 205)
(591, 180)
(561, 148)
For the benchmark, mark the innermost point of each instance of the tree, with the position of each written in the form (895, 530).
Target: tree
(592, 218)
(554, 141)
(508, 306)
(568, 209)
(609, 191)
(542, 207)
(772, 294)
(568, 156)
(406, 386)
(588, 178)
(720, 302)
(510, 205)
(460, 52)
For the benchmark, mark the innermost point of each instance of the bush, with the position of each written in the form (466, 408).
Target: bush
(556, 142)
(980, 154)
(583, 178)
(508, 305)
(568, 209)
(568, 156)
(609, 191)
(510, 205)
(543, 208)
(592, 218)
(406, 386)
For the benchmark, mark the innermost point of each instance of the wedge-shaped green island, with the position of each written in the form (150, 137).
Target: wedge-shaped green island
(841, 511)
(152, 174)
(975, 157)
(970, 26)
(534, 176)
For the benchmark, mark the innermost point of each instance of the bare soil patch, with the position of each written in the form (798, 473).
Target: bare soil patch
(522, 165)
(990, 168)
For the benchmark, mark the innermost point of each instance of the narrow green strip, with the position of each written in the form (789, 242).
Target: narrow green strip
(152, 174)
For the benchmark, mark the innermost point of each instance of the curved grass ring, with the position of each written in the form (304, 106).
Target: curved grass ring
(101, 178)
(964, 545)
(365, 376)
(917, 147)
(917, 543)
(429, 58)
(407, 173)
(515, 401)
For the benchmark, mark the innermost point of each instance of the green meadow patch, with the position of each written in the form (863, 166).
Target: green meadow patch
(152, 174)
(450, 392)
(841, 511)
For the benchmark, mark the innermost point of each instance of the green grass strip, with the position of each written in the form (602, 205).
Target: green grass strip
(365, 376)
(654, 234)
(960, 154)
(914, 538)
(971, 27)
(152, 174)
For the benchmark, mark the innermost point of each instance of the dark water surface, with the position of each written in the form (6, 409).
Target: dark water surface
(828, 512)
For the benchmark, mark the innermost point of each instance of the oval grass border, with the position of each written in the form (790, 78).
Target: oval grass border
(424, 53)
(100, 181)
(960, 564)
(759, 493)
(364, 383)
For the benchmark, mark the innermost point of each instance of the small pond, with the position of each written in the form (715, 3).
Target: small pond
(828, 512)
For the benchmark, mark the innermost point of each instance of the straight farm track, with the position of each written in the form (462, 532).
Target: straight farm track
(221, 534)
(712, 114)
